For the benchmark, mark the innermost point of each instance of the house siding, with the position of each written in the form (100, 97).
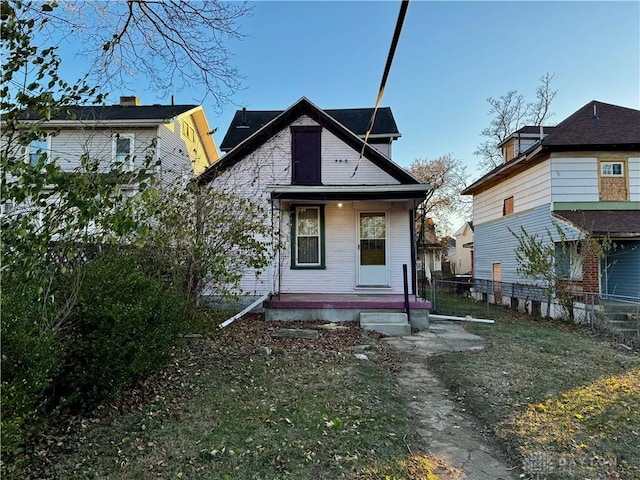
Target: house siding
(270, 164)
(574, 178)
(621, 270)
(530, 189)
(173, 153)
(341, 261)
(494, 242)
(68, 146)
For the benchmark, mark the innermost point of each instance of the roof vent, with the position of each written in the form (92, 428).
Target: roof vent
(129, 101)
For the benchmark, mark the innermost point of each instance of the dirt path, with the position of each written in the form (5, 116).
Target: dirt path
(450, 434)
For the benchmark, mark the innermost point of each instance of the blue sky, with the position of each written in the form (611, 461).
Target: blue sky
(450, 58)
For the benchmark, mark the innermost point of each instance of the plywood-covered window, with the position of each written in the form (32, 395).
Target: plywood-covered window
(306, 155)
(507, 206)
(613, 184)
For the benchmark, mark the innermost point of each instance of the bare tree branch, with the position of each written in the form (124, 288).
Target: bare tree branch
(169, 44)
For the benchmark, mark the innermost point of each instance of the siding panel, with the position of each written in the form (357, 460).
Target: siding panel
(494, 242)
(530, 189)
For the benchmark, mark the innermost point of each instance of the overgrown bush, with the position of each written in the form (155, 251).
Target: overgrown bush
(32, 355)
(126, 324)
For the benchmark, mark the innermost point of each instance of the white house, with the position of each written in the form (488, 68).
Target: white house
(175, 136)
(343, 209)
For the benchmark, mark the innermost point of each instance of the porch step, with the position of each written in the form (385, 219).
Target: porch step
(387, 323)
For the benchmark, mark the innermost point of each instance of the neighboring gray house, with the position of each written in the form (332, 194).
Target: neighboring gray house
(346, 220)
(583, 175)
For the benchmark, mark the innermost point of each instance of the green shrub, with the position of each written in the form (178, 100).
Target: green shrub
(32, 355)
(126, 324)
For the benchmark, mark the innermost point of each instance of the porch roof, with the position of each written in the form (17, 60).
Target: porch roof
(614, 223)
(348, 192)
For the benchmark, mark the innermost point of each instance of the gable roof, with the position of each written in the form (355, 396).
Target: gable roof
(304, 107)
(246, 122)
(159, 113)
(597, 126)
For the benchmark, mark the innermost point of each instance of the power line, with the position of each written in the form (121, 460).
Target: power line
(394, 43)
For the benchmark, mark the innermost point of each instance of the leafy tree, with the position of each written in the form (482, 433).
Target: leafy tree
(52, 220)
(554, 261)
(511, 112)
(447, 177)
(205, 239)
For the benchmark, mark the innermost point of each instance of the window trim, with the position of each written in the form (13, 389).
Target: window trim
(127, 164)
(294, 238)
(612, 174)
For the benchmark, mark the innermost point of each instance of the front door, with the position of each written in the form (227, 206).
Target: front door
(372, 259)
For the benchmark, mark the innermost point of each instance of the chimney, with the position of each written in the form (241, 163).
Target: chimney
(129, 101)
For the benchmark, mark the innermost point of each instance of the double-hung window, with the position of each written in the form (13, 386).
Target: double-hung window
(123, 144)
(307, 237)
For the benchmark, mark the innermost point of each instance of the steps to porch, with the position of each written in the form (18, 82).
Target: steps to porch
(390, 324)
(385, 314)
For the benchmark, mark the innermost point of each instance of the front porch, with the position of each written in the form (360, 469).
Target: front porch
(341, 307)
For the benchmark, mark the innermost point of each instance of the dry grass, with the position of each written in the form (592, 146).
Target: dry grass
(243, 404)
(562, 400)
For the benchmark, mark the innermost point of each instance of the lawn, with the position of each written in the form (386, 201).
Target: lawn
(244, 405)
(562, 400)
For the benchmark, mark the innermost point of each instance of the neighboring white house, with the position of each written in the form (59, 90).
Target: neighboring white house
(346, 221)
(176, 136)
(582, 175)
(461, 262)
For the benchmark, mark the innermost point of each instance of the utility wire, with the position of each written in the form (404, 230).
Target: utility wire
(383, 83)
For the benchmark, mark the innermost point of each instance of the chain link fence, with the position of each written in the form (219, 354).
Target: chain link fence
(613, 315)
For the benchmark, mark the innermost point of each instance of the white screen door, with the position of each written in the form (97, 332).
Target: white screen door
(372, 259)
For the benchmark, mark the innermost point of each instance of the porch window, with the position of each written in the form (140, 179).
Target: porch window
(307, 237)
(569, 261)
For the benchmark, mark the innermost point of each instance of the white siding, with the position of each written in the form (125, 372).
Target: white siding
(529, 189)
(270, 164)
(634, 178)
(339, 161)
(68, 146)
(575, 178)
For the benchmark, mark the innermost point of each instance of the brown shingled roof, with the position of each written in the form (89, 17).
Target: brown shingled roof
(615, 223)
(597, 124)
